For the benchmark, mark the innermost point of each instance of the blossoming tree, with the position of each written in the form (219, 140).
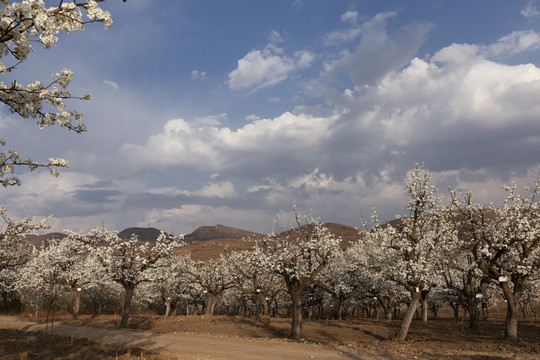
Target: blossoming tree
(63, 265)
(299, 255)
(252, 278)
(14, 251)
(406, 250)
(212, 277)
(505, 243)
(128, 261)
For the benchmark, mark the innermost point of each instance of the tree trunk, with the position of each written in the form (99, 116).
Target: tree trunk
(396, 311)
(212, 301)
(424, 295)
(167, 307)
(129, 291)
(76, 301)
(455, 309)
(339, 307)
(296, 324)
(387, 308)
(512, 299)
(4, 301)
(388, 314)
(474, 315)
(511, 329)
(259, 308)
(406, 323)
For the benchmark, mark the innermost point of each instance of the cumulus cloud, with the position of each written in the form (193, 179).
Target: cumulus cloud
(210, 148)
(460, 97)
(267, 67)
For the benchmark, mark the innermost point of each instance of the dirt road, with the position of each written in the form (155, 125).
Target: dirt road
(190, 346)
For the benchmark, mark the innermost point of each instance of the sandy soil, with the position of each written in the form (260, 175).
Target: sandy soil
(238, 338)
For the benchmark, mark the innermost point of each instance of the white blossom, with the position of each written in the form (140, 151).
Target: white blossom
(29, 22)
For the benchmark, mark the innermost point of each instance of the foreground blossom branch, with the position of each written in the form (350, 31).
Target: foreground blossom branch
(24, 23)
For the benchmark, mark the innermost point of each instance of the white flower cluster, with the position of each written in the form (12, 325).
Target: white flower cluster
(11, 158)
(30, 21)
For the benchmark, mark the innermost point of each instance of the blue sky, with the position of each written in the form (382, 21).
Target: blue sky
(229, 112)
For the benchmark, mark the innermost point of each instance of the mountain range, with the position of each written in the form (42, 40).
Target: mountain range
(208, 242)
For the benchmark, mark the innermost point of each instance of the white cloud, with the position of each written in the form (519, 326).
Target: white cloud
(260, 68)
(275, 37)
(252, 117)
(457, 88)
(304, 59)
(480, 92)
(224, 189)
(457, 54)
(218, 190)
(218, 148)
(197, 74)
(514, 43)
(211, 120)
(530, 10)
(340, 36)
(111, 84)
(267, 67)
(160, 217)
(350, 16)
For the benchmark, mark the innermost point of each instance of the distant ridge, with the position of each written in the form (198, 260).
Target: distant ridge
(211, 248)
(202, 233)
(218, 231)
(44, 239)
(144, 234)
(209, 242)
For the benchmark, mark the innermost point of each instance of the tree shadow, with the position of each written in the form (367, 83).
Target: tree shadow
(265, 325)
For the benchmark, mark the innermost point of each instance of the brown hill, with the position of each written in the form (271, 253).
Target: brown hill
(211, 249)
(218, 231)
(349, 235)
(144, 234)
(37, 240)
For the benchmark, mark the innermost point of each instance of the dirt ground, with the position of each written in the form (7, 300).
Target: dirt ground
(351, 339)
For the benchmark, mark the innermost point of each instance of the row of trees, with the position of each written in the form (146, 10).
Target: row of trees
(454, 253)
(460, 246)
